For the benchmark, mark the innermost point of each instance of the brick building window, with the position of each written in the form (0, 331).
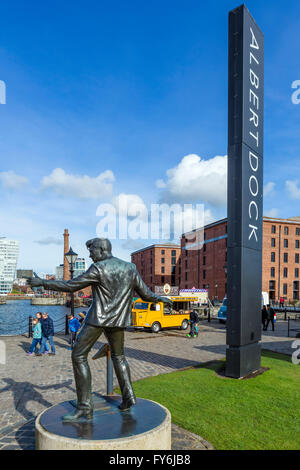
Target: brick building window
(297, 243)
(271, 285)
(204, 260)
(173, 252)
(173, 260)
(204, 247)
(273, 257)
(296, 272)
(285, 243)
(273, 230)
(162, 279)
(186, 264)
(296, 290)
(285, 257)
(297, 231)
(297, 258)
(186, 276)
(163, 270)
(272, 272)
(286, 230)
(204, 274)
(285, 272)
(284, 289)
(273, 242)
(162, 252)
(163, 261)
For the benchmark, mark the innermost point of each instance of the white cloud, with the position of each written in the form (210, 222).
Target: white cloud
(79, 186)
(293, 189)
(10, 180)
(129, 204)
(269, 188)
(272, 213)
(196, 180)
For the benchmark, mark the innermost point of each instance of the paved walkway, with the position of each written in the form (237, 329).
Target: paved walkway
(29, 384)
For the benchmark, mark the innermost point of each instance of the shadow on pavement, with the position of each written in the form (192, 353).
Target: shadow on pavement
(25, 436)
(23, 392)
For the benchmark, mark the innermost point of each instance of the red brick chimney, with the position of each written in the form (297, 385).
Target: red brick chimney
(66, 249)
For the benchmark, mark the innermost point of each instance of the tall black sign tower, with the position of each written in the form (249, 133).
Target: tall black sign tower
(245, 193)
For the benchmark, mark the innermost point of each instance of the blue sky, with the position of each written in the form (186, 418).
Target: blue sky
(126, 90)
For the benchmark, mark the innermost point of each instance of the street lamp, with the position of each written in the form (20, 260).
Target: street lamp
(216, 286)
(71, 257)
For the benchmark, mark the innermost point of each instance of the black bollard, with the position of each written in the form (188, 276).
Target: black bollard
(67, 326)
(30, 330)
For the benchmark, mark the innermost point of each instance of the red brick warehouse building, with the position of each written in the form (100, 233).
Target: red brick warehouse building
(202, 261)
(157, 264)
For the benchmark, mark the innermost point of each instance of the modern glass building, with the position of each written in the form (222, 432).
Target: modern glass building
(9, 253)
(80, 267)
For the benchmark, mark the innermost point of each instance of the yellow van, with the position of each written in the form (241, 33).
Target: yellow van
(158, 316)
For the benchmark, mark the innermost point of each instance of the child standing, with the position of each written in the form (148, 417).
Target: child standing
(74, 326)
(37, 336)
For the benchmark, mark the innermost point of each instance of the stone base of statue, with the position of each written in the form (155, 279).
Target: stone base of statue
(146, 426)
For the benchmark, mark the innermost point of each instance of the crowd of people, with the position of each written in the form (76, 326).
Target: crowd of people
(43, 333)
(43, 329)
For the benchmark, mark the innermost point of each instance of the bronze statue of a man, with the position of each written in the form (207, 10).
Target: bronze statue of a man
(113, 283)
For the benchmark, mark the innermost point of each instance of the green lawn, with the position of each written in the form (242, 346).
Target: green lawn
(259, 413)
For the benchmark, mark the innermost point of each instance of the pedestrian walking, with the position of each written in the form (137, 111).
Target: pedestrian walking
(264, 316)
(194, 318)
(74, 326)
(270, 317)
(39, 317)
(48, 333)
(281, 302)
(37, 336)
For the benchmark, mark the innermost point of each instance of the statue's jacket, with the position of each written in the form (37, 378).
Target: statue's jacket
(113, 283)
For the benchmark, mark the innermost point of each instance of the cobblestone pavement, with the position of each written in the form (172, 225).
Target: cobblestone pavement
(29, 384)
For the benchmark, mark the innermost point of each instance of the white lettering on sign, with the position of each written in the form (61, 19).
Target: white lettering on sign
(253, 210)
(254, 120)
(255, 83)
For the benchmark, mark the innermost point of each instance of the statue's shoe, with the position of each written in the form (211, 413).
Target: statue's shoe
(77, 415)
(127, 404)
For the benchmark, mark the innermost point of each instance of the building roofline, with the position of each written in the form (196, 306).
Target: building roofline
(213, 224)
(157, 245)
(291, 220)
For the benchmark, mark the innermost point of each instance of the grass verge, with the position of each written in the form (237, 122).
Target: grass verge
(262, 413)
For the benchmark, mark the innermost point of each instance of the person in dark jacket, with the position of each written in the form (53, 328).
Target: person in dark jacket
(193, 321)
(48, 333)
(264, 317)
(39, 316)
(270, 317)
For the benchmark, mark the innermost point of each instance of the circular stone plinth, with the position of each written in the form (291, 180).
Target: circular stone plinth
(146, 426)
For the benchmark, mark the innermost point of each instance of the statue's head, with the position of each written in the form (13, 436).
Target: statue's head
(99, 248)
